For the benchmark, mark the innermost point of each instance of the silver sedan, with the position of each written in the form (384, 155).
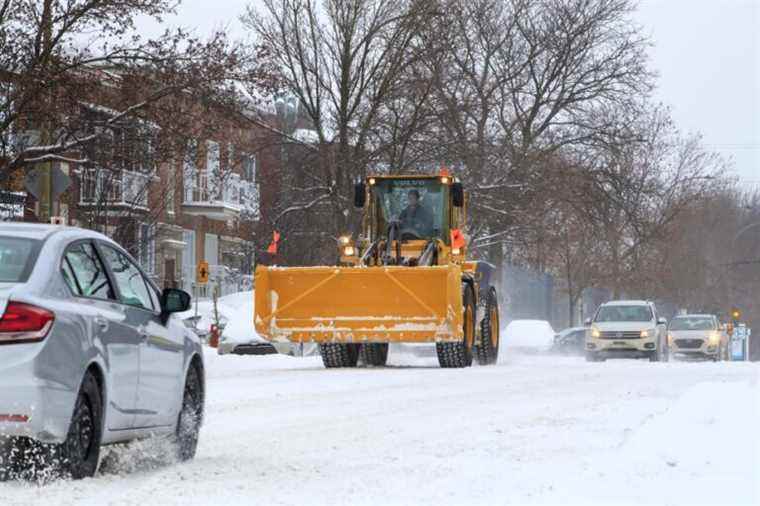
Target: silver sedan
(90, 353)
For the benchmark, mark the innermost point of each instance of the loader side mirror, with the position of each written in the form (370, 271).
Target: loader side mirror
(360, 194)
(457, 194)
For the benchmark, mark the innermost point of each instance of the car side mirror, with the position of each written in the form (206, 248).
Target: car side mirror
(588, 322)
(662, 321)
(360, 194)
(174, 301)
(457, 194)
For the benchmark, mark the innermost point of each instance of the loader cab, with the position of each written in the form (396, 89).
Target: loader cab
(422, 206)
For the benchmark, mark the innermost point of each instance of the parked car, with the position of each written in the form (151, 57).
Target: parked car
(90, 353)
(627, 329)
(570, 341)
(698, 336)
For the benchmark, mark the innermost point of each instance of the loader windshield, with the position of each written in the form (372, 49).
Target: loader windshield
(418, 205)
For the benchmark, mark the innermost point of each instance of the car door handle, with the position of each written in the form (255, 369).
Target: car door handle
(101, 322)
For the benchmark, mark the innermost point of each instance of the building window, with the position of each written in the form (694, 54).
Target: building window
(114, 187)
(88, 183)
(147, 247)
(249, 168)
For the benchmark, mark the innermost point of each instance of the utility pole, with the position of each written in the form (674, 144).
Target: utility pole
(46, 203)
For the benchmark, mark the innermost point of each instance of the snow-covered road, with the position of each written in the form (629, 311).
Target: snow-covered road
(531, 430)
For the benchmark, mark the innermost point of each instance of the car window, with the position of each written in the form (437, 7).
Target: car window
(624, 314)
(693, 323)
(17, 256)
(84, 272)
(129, 279)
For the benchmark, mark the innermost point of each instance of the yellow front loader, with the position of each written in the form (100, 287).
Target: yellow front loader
(403, 280)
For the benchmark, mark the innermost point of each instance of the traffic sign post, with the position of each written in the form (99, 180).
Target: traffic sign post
(47, 184)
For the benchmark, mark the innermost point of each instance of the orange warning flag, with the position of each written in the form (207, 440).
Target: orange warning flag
(273, 245)
(457, 238)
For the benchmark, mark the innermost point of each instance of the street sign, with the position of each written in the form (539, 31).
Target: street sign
(740, 343)
(12, 205)
(61, 182)
(34, 182)
(201, 275)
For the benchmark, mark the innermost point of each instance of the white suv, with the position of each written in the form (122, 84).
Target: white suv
(627, 329)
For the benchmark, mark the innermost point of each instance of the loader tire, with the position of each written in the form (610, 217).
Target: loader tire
(459, 354)
(375, 354)
(339, 354)
(488, 343)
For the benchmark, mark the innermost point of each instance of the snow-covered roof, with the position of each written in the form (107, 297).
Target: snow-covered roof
(627, 303)
(306, 135)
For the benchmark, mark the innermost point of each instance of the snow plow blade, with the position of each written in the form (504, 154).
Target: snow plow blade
(359, 304)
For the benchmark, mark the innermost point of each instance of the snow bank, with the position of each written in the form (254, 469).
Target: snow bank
(704, 449)
(235, 312)
(709, 432)
(240, 320)
(528, 334)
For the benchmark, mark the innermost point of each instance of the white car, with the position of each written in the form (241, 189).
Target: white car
(627, 329)
(90, 353)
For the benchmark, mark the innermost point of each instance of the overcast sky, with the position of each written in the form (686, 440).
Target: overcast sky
(706, 51)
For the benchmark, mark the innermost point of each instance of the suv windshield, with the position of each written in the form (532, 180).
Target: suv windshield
(17, 257)
(692, 323)
(624, 314)
(417, 204)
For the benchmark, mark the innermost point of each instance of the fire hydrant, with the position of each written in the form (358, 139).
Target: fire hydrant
(214, 338)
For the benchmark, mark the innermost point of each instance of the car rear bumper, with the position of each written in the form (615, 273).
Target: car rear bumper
(37, 410)
(31, 406)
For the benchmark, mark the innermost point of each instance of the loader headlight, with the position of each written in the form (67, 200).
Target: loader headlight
(456, 251)
(344, 240)
(349, 251)
(372, 181)
(445, 179)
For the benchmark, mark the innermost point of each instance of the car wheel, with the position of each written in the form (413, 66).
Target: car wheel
(191, 416)
(8, 458)
(80, 452)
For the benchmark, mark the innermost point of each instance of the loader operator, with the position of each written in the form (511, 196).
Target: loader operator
(416, 217)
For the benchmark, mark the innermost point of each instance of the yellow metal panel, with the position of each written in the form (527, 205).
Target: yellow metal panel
(358, 304)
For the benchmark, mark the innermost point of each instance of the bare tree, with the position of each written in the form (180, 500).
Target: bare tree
(344, 62)
(56, 74)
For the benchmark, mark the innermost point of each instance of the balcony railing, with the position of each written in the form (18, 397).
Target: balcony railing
(220, 198)
(114, 188)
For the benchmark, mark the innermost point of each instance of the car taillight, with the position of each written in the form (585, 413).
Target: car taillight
(24, 323)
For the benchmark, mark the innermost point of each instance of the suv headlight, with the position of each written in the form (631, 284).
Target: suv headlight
(648, 333)
(595, 332)
(714, 338)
